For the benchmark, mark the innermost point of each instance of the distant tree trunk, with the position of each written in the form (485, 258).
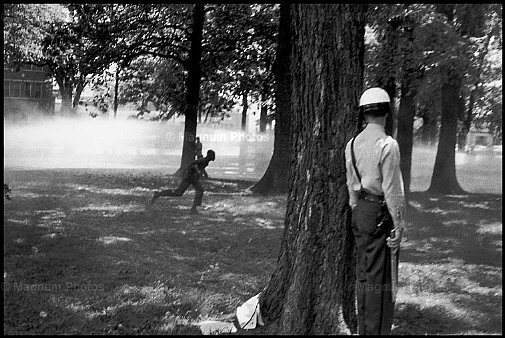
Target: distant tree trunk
(405, 134)
(390, 119)
(275, 179)
(312, 289)
(467, 122)
(66, 90)
(407, 110)
(207, 115)
(444, 180)
(385, 78)
(429, 129)
(77, 97)
(424, 130)
(116, 91)
(192, 88)
(263, 112)
(245, 106)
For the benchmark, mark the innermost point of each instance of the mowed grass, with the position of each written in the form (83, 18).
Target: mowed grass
(83, 254)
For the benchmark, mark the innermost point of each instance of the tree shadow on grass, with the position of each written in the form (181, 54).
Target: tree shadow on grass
(454, 227)
(452, 255)
(413, 320)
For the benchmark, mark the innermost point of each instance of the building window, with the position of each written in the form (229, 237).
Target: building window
(15, 89)
(27, 89)
(23, 89)
(38, 90)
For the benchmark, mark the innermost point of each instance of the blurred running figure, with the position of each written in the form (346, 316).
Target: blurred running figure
(191, 177)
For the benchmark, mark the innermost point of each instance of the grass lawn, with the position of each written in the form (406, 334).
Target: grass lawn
(83, 255)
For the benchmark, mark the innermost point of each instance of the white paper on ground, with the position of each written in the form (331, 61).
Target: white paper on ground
(249, 314)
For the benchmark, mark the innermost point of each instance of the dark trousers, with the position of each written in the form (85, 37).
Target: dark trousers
(373, 271)
(183, 186)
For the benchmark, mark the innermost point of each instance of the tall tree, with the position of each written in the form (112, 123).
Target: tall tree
(312, 289)
(275, 179)
(193, 87)
(463, 21)
(411, 73)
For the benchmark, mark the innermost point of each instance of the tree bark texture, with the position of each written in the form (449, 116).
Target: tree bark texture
(444, 180)
(193, 88)
(312, 289)
(275, 179)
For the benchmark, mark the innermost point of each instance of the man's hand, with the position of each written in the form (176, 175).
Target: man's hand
(394, 243)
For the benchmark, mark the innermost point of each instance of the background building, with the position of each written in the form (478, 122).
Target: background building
(27, 92)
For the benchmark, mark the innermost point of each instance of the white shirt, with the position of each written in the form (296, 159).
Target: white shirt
(378, 161)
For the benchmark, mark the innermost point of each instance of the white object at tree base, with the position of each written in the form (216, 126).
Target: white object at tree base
(249, 315)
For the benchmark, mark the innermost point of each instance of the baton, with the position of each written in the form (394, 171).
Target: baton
(394, 270)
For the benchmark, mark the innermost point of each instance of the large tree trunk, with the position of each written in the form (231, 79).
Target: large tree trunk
(192, 88)
(275, 180)
(312, 289)
(444, 180)
(245, 106)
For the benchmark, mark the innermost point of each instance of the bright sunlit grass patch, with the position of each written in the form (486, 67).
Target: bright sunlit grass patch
(494, 228)
(113, 240)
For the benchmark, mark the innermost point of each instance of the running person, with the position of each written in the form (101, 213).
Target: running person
(191, 177)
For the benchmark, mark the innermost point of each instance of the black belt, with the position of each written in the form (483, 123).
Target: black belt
(365, 195)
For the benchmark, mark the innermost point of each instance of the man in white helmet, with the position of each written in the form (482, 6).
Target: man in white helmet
(377, 198)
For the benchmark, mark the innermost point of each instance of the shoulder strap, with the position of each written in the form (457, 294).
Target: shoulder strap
(354, 160)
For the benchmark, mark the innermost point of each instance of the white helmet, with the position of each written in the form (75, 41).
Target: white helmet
(373, 96)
